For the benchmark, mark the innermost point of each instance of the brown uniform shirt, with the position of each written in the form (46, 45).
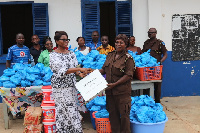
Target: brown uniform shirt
(115, 69)
(157, 48)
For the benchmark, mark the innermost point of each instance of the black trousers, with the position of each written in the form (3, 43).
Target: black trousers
(157, 91)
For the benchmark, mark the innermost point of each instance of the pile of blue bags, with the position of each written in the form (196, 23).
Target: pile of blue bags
(144, 60)
(24, 75)
(95, 60)
(98, 104)
(145, 110)
(92, 60)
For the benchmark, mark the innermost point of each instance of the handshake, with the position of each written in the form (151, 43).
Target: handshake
(85, 71)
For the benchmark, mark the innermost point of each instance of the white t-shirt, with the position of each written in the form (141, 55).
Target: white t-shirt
(86, 51)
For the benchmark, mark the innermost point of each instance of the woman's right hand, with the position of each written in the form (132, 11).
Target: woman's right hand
(85, 70)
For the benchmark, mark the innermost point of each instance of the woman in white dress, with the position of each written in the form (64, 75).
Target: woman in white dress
(63, 64)
(81, 46)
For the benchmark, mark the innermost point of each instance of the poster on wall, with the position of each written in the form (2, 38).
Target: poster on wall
(185, 37)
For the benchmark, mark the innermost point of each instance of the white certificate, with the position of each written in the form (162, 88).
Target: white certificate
(91, 85)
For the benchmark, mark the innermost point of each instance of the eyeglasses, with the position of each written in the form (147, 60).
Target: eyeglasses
(151, 32)
(64, 40)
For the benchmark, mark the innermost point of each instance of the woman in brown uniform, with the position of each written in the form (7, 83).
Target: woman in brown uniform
(119, 68)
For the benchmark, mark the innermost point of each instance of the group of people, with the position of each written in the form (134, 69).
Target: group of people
(118, 68)
(37, 53)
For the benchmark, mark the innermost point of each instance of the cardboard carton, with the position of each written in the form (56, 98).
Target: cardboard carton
(33, 116)
(33, 129)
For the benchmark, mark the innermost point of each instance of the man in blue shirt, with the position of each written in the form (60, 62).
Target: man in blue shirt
(18, 52)
(95, 43)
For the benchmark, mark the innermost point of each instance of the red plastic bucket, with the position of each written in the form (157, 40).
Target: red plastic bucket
(49, 126)
(47, 94)
(48, 110)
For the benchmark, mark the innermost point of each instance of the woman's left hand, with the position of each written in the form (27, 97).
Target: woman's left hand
(110, 86)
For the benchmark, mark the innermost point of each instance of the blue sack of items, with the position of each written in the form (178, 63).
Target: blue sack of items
(25, 83)
(33, 70)
(102, 114)
(45, 71)
(21, 73)
(8, 84)
(18, 66)
(145, 110)
(15, 79)
(8, 72)
(159, 116)
(46, 83)
(37, 82)
(40, 66)
(158, 107)
(47, 77)
(31, 77)
(93, 54)
(100, 101)
(4, 78)
(95, 108)
(90, 104)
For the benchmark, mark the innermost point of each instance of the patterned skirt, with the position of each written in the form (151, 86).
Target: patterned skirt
(68, 119)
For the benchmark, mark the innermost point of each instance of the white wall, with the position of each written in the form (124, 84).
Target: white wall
(64, 15)
(161, 12)
(140, 21)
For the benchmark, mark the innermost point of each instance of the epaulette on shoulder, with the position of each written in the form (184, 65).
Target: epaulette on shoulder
(128, 55)
(160, 40)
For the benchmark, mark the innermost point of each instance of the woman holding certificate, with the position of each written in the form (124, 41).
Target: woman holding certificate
(119, 68)
(63, 63)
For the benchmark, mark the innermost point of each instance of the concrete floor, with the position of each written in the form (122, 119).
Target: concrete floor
(183, 114)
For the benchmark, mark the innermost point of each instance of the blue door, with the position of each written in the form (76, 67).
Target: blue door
(39, 26)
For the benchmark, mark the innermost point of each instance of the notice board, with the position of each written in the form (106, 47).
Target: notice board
(185, 37)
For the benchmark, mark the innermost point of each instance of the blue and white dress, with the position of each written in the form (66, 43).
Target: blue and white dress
(68, 118)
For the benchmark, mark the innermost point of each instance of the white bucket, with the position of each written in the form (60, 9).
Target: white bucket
(49, 127)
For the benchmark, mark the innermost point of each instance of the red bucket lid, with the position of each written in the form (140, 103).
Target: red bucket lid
(47, 104)
(47, 87)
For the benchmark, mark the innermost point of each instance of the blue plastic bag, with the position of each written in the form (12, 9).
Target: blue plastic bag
(4, 78)
(8, 84)
(33, 70)
(47, 77)
(95, 108)
(25, 83)
(15, 79)
(8, 72)
(40, 66)
(37, 83)
(46, 83)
